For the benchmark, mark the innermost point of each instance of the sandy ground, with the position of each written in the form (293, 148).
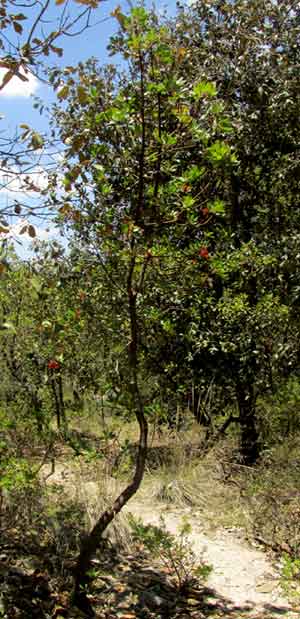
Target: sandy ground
(242, 574)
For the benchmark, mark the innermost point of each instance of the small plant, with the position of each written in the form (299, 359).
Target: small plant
(290, 577)
(174, 553)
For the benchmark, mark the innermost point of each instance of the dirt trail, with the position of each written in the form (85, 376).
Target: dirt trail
(241, 574)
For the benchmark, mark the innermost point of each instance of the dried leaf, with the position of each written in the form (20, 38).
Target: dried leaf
(92, 3)
(266, 587)
(17, 27)
(7, 77)
(57, 50)
(32, 231)
(21, 76)
(65, 209)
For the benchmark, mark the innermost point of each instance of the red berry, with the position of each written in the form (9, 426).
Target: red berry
(53, 364)
(204, 253)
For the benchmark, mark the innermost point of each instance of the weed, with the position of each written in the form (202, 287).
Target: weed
(290, 577)
(174, 553)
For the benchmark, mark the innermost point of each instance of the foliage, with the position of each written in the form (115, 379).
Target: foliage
(174, 552)
(141, 148)
(290, 573)
(273, 494)
(25, 38)
(179, 287)
(239, 333)
(120, 211)
(278, 412)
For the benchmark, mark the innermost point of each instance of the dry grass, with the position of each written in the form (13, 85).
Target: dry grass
(214, 488)
(175, 478)
(274, 496)
(197, 486)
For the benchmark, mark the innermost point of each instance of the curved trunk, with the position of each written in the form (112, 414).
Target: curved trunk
(134, 286)
(92, 541)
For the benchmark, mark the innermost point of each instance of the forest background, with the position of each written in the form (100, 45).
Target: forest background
(172, 298)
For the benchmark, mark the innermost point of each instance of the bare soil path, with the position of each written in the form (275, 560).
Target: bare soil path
(243, 582)
(243, 575)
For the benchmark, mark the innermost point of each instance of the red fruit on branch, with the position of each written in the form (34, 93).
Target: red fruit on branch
(205, 211)
(204, 253)
(53, 364)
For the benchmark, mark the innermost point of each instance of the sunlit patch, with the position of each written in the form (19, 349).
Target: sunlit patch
(16, 87)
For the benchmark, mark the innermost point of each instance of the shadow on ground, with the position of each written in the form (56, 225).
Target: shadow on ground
(132, 589)
(36, 562)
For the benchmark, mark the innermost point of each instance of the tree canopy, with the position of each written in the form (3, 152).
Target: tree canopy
(178, 191)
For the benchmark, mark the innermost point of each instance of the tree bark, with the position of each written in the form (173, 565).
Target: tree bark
(56, 401)
(92, 541)
(249, 445)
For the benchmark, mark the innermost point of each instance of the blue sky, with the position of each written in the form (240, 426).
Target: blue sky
(16, 99)
(19, 109)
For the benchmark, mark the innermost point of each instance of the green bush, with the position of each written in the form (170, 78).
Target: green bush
(174, 553)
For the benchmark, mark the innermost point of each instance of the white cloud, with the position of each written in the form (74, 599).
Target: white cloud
(24, 230)
(28, 184)
(24, 243)
(16, 87)
(46, 234)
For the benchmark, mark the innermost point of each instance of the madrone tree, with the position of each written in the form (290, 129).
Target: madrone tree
(143, 146)
(241, 331)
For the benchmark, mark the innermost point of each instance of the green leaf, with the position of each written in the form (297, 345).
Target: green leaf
(195, 173)
(119, 115)
(63, 93)
(188, 202)
(82, 94)
(219, 151)
(204, 89)
(217, 207)
(37, 141)
(9, 326)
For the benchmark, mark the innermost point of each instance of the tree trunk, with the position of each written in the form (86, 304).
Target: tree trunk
(92, 541)
(37, 405)
(134, 286)
(62, 403)
(249, 442)
(56, 401)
